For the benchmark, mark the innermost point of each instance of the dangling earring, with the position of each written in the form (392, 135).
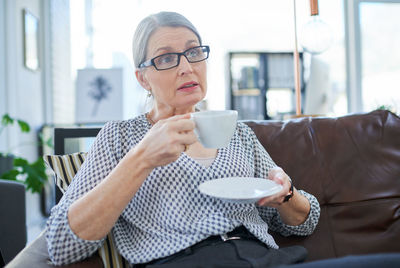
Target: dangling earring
(149, 94)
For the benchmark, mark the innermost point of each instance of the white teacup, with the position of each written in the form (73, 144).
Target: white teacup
(214, 129)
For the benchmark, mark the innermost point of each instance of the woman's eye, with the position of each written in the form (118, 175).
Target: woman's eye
(166, 59)
(193, 53)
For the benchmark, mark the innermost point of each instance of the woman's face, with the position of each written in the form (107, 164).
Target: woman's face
(181, 87)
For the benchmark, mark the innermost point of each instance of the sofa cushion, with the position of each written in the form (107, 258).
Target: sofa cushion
(65, 167)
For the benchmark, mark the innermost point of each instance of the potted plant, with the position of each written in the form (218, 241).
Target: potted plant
(15, 168)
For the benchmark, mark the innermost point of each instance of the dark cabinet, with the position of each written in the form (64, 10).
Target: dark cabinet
(262, 84)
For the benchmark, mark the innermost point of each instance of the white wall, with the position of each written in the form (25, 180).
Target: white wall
(24, 87)
(24, 93)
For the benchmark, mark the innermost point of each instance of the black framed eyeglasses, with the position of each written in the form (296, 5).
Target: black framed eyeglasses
(171, 60)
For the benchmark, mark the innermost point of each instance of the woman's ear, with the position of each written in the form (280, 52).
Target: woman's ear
(142, 79)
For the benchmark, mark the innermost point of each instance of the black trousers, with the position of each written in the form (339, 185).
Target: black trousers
(247, 251)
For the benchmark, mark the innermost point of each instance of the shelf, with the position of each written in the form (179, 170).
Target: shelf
(261, 83)
(246, 92)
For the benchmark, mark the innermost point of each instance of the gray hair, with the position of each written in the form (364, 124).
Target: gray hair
(151, 23)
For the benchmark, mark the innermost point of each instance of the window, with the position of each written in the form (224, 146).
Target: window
(380, 55)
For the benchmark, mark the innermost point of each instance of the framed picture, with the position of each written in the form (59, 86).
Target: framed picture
(31, 40)
(99, 95)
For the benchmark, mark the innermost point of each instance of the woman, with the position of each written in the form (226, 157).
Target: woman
(141, 176)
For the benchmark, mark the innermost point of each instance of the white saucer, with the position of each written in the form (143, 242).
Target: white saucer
(240, 189)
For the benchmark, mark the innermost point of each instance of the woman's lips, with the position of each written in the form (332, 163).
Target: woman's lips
(190, 86)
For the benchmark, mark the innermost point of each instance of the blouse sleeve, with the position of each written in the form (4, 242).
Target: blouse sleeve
(262, 163)
(63, 245)
(275, 223)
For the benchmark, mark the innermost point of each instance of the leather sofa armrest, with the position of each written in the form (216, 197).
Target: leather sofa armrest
(36, 255)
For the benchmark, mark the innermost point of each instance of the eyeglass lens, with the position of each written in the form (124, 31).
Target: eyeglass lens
(170, 60)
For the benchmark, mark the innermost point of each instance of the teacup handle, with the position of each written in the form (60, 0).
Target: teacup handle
(195, 131)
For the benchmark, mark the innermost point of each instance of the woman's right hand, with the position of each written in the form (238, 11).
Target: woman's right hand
(166, 140)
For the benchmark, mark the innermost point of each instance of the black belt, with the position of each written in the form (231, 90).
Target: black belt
(237, 234)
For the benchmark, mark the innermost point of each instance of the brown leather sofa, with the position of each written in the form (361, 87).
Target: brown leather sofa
(350, 163)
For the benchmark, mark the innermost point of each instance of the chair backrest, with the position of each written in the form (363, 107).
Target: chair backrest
(60, 140)
(12, 219)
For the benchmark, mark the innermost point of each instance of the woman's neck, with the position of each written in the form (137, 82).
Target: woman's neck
(157, 114)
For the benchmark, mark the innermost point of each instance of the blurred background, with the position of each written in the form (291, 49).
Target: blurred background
(69, 63)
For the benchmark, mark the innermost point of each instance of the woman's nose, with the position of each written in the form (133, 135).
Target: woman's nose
(184, 66)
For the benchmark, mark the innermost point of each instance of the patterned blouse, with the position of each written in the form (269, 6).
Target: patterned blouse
(169, 213)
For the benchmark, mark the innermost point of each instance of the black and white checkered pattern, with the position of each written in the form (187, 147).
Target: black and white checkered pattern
(168, 213)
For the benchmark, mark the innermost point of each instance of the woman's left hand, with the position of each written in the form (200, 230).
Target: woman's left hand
(295, 211)
(279, 176)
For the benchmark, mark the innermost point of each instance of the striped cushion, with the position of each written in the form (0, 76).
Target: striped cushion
(65, 167)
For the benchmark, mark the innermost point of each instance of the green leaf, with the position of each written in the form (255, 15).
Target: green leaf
(36, 175)
(40, 168)
(10, 175)
(24, 126)
(6, 120)
(20, 162)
